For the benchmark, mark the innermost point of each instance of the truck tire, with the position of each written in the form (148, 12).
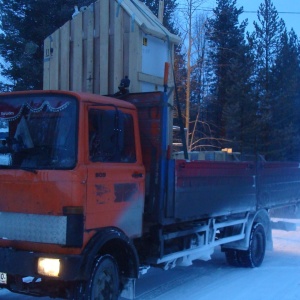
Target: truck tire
(103, 283)
(254, 256)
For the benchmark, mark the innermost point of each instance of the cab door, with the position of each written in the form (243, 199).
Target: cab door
(115, 172)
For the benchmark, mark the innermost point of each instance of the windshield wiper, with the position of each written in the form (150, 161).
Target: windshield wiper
(6, 167)
(28, 169)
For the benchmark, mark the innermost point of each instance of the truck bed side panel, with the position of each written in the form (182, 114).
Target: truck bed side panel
(279, 184)
(211, 188)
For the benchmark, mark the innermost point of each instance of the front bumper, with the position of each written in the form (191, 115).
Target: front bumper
(24, 263)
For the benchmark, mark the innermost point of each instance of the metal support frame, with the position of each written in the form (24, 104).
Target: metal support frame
(208, 229)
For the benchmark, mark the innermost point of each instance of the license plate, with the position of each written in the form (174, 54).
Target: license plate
(3, 278)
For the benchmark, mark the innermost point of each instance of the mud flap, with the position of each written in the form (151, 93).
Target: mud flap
(128, 291)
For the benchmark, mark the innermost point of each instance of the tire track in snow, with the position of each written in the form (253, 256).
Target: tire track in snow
(167, 286)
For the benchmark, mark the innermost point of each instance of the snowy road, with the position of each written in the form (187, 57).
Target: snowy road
(277, 279)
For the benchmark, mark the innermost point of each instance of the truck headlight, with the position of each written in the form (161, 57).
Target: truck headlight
(48, 266)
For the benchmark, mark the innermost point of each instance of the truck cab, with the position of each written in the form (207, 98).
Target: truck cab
(71, 181)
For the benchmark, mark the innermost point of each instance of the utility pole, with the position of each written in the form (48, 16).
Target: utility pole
(161, 10)
(188, 79)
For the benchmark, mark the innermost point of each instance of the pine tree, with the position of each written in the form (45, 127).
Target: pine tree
(285, 92)
(266, 44)
(25, 24)
(230, 61)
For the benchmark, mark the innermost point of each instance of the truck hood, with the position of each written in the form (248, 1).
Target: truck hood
(35, 206)
(40, 192)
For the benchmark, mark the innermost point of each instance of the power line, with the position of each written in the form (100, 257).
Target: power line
(245, 11)
(280, 12)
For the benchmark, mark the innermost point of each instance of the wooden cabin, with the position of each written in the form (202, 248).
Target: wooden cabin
(105, 42)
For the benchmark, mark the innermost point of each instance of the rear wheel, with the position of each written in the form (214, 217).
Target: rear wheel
(254, 256)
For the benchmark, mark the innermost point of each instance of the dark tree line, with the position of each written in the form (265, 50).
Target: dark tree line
(25, 24)
(252, 103)
(244, 87)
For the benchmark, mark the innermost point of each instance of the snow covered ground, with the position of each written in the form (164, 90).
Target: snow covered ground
(277, 279)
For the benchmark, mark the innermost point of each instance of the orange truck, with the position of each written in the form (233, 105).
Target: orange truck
(90, 196)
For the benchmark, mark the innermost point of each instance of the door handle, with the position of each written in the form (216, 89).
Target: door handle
(137, 175)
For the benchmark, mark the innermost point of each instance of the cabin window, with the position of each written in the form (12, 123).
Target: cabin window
(38, 132)
(111, 136)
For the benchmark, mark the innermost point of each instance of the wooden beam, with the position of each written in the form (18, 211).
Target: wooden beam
(88, 60)
(77, 66)
(54, 61)
(104, 46)
(65, 57)
(134, 56)
(116, 46)
(131, 54)
(151, 79)
(47, 57)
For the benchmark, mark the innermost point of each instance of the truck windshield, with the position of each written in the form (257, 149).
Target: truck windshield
(38, 132)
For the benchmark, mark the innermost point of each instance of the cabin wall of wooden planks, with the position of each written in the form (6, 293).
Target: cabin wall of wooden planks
(95, 50)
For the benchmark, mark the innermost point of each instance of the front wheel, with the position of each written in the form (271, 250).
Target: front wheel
(254, 256)
(103, 283)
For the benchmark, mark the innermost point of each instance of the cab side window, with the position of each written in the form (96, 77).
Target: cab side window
(111, 136)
